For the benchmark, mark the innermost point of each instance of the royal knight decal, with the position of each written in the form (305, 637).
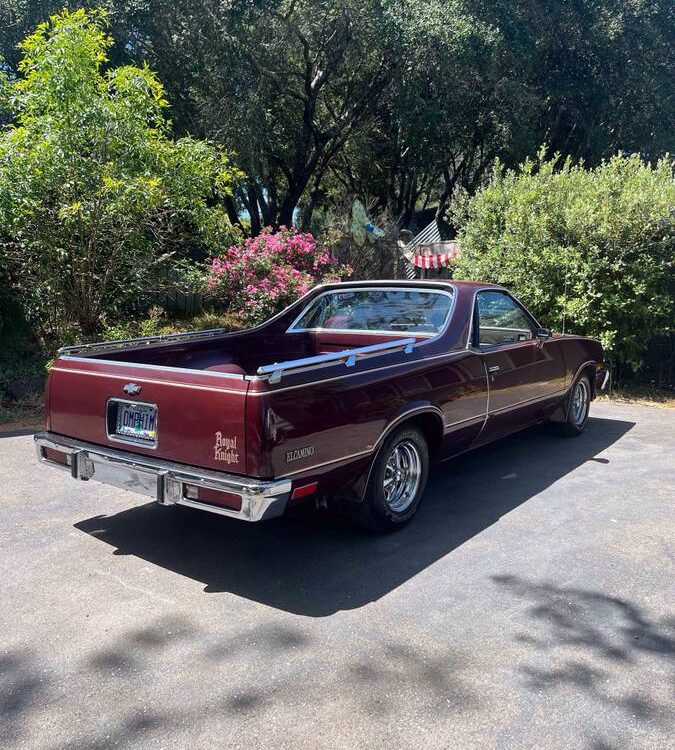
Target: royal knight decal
(225, 449)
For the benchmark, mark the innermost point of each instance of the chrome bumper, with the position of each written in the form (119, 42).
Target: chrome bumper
(163, 480)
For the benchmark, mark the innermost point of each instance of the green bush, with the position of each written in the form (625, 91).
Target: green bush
(95, 197)
(590, 250)
(22, 370)
(159, 323)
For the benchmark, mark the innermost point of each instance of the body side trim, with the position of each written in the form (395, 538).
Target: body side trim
(578, 372)
(270, 392)
(532, 400)
(328, 463)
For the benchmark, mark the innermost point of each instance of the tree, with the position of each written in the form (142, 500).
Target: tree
(484, 79)
(406, 101)
(446, 115)
(94, 195)
(590, 250)
(285, 84)
(601, 73)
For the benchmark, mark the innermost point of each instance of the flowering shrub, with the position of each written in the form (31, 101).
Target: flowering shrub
(270, 271)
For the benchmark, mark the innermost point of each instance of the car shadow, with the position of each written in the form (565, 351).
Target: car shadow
(315, 564)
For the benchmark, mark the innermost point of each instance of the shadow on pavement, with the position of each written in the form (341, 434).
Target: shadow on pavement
(606, 650)
(316, 564)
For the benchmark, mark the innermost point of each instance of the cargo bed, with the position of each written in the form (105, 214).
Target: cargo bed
(185, 397)
(246, 354)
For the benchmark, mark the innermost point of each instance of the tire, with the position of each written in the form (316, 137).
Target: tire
(576, 408)
(398, 478)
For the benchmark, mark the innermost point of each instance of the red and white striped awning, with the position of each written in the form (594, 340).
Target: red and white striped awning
(427, 256)
(427, 250)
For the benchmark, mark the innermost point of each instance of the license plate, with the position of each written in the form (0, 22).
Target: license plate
(136, 422)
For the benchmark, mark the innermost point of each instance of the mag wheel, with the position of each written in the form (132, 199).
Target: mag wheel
(579, 402)
(402, 476)
(397, 481)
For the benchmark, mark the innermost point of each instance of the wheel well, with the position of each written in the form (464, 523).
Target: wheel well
(589, 371)
(431, 426)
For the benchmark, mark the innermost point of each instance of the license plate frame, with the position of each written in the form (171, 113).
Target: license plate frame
(137, 421)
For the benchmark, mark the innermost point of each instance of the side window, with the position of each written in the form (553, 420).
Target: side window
(501, 320)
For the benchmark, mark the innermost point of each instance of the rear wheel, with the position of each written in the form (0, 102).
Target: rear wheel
(578, 404)
(397, 482)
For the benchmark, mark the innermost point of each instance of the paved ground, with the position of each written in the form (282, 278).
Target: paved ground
(526, 607)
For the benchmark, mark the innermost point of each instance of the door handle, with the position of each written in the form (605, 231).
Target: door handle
(494, 368)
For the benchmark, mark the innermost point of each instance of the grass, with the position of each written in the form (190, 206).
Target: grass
(644, 395)
(29, 412)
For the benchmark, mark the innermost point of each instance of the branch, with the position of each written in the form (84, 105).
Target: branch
(276, 81)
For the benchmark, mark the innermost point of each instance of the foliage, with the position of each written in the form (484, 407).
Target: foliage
(21, 362)
(486, 78)
(158, 323)
(402, 100)
(94, 195)
(403, 103)
(593, 77)
(283, 83)
(268, 272)
(443, 119)
(588, 249)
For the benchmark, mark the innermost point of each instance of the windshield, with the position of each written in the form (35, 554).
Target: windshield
(383, 310)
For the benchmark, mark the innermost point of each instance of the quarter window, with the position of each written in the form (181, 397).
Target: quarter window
(501, 320)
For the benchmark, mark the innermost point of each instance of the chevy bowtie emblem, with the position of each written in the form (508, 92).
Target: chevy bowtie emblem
(132, 389)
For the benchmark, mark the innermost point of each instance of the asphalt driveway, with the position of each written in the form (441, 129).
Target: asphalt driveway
(528, 606)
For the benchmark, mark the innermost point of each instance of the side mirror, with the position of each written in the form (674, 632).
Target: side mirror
(543, 334)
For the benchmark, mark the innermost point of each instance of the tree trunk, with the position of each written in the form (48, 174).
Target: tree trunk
(251, 203)
(232, 214)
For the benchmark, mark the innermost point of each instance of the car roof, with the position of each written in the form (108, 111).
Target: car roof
(421, 283)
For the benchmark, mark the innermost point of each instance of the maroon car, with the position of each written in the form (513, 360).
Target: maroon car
(347, 394)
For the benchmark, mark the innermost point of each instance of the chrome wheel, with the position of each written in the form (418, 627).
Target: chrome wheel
(402, 475)
(580, 401)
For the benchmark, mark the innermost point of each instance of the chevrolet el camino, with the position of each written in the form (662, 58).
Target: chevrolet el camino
(348, 394)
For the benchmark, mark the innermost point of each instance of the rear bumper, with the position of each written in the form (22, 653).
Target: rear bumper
(162, 480)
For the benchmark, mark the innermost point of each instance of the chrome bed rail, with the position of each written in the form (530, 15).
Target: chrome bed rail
(141, 341)
(348, 356)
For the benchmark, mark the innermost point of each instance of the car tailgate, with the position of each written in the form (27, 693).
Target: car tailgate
(200, 416)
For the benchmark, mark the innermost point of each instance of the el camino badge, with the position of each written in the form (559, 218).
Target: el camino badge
(298, 453)
(225, 449)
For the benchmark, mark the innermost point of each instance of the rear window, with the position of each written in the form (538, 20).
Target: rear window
(382, 310)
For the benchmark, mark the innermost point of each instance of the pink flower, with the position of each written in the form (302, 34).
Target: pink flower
(268, 272)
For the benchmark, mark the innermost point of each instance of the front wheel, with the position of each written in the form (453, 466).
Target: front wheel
(397, 482)
(578, 405)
